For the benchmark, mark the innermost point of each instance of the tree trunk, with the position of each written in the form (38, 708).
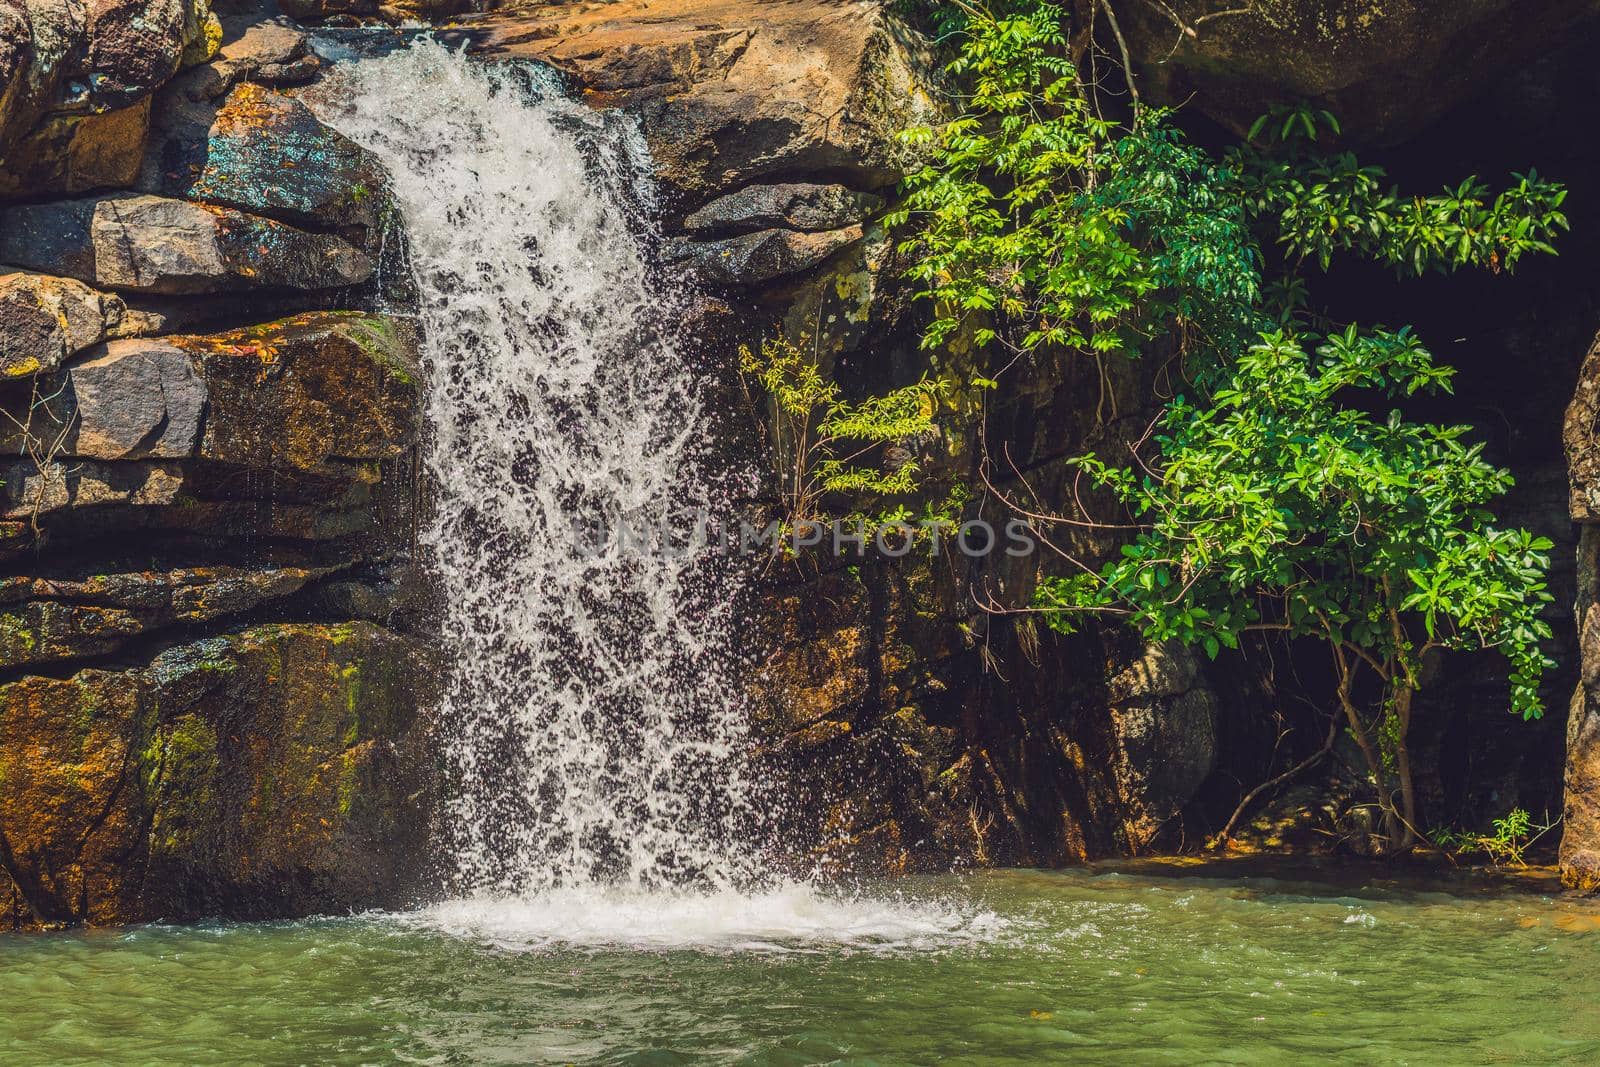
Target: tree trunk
(1402, 763)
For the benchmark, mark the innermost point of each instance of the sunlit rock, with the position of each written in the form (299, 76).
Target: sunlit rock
(151, 244)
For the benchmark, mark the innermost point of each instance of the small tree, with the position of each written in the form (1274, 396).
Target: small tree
(1280, 506)
(826, 445)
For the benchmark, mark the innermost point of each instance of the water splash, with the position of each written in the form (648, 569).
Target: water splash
(594, 733)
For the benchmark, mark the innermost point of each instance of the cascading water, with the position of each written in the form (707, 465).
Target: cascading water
(594, 730)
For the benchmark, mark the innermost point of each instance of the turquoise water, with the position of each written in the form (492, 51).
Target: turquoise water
(1005, 968)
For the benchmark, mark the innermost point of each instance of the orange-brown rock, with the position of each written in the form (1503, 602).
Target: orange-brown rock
(734, 91)
(268, 772)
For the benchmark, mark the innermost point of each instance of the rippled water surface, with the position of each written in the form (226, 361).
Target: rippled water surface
(1012, 967)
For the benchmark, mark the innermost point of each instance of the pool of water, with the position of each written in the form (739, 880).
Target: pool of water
(1008, 967)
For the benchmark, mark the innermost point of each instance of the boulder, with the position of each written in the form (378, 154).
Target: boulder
(276, 771)
(1385, 67)
(731, 92)
(758, 257)
(794, 205)
(151, 244)
(139, 400)
(77, 152)
(267, 154)
(1163, 734)
(253, 48)
(75, 81)
(136, 45)
(45, 321)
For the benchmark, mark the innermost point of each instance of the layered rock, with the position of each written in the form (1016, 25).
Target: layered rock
(207, 702)
(322, 401)
(151, 244)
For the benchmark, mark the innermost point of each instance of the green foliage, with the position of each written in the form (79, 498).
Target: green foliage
(1281, 506)
(827, 445)
(1042, 223)
(1272, 498)
(1322, 205)
(1505, 844)
(1034, 213)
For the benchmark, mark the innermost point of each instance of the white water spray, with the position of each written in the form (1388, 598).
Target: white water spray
(594, 730)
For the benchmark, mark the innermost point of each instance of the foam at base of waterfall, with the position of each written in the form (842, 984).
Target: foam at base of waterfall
(791, 917)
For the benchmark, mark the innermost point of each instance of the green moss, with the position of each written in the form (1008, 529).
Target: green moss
(349, 781)
(16, 636)
(182, 764)
(379, 339)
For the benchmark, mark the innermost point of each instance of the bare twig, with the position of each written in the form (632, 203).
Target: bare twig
(1221, 840)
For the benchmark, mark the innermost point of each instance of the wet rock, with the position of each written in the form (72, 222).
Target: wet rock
(730, 92)
(758, 257)
(1384, 68)
(275, 771)
(50, 619)
(265, 153)
(45, 321)
(151, 244)
(305, 392)
(795, 206)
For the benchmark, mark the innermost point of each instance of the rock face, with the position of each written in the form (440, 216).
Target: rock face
(733, 92)
(150, 244)
(75, 82)
(1580, 839)
(210, 698)
(257, 773)
(1384, 67)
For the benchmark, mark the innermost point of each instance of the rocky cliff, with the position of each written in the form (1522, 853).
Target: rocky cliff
(206, 509)
(213, 672)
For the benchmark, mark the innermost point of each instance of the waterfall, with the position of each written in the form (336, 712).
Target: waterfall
(594, 733)
(593, 724)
